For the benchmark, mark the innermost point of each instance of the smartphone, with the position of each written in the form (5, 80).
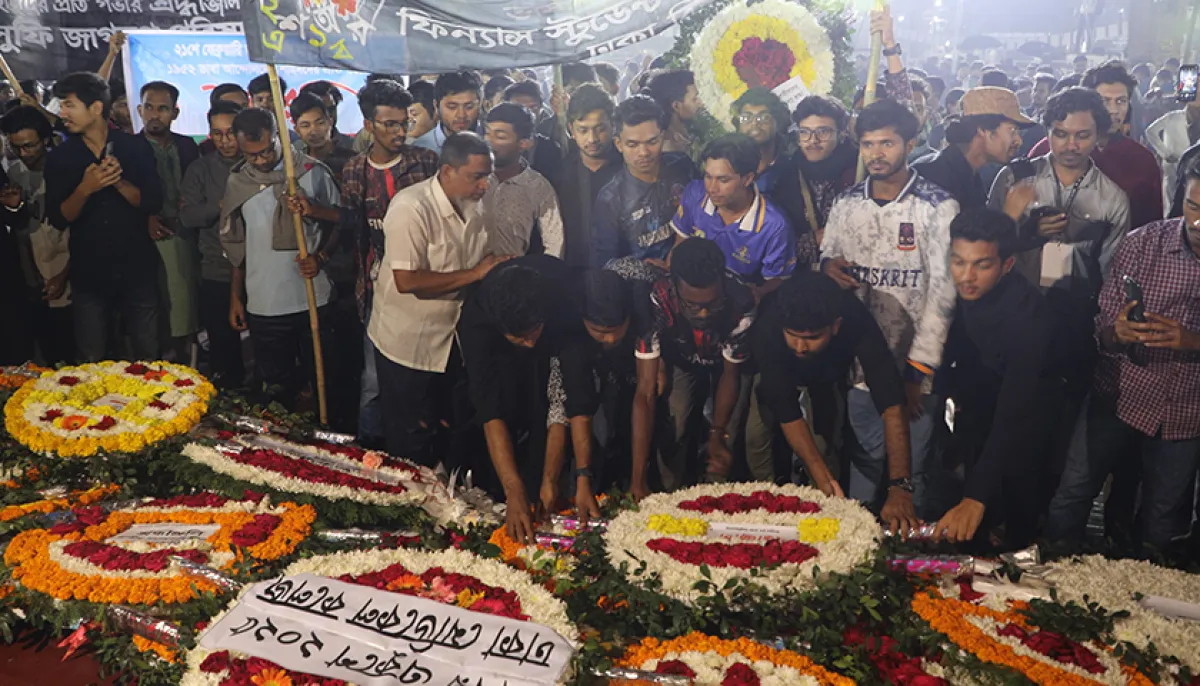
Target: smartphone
(1186, 88)
(108, 149)
(1133, 292)
(1044, 211)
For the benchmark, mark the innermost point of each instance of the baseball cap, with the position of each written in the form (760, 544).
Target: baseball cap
(994, 100)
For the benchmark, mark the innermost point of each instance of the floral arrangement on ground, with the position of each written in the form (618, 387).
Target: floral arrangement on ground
(23, 515)
(106, 406)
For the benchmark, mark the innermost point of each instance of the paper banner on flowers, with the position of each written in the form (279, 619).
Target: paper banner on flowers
(322, 626)
(421, 36)
(792, 91)
(165, 534)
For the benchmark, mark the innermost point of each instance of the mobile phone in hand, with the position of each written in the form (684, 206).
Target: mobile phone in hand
(1186, 88)
(1133, 292)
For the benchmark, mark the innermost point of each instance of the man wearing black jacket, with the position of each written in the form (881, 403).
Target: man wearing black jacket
(592, 162)
(998, 360)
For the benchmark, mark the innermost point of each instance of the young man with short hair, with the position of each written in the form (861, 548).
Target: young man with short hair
(120, 117)
(42, 249)
(632, 216)
(458, 96)
(267, 292)
(760, 114)
(200, 194)
(675, 91)
(520, 203)
(423, 112)
(822, 167)
(313, 121)
(591, 163)
(230, 92)
(888, 238)
(178, 247)
(493, 91)
(369, 183)
(103, 185)
(331, 96)
(435, 239)
(1000, 372)
(260, 92)
(546, 156)
(728, 209)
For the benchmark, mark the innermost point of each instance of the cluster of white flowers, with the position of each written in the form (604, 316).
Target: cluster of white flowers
(627, 535)
(1113, 583)
(710, 669)
(536, 602)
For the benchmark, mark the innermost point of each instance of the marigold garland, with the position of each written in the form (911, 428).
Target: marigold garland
(110, 406)
(14, 377)
(30, 557)
(48, 505)
(654, 649)
(952, 617)
(162, 650)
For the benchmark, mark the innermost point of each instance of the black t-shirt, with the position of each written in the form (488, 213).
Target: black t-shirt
(671, 335)
(858, 338)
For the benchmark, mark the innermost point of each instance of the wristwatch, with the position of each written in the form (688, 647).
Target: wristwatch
(894, 51)
(585, 471)
(904, 484)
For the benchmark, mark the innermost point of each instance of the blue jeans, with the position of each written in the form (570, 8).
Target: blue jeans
(1168, 478)
(370, 407)
(868, 461)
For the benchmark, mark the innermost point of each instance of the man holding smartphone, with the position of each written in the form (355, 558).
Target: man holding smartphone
(1174, 132)
(1150, 410)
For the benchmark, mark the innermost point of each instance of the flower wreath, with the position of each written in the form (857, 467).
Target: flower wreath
(52, 504)
(670, 533)
(452, 576)
(1114, 583)
(110, 406)
(76, 560)
(15, 377)
(760, 45)
(710, 661)
(1008, 639)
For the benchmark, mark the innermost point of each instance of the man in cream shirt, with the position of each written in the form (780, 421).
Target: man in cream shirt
(435, 242)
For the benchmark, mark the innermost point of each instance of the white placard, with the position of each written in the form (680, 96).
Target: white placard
(792, 91)
(739, 530)
(113, 400)
(395, 626)
(165, 534)
(1170, 607)
(1056, 262)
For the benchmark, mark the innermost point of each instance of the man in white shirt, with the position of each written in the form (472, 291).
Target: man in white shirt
(435, 245)
(1169, 137)
(521, 205)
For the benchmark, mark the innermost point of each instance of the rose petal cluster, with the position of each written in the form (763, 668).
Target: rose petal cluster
(733, 503)
(739, 555)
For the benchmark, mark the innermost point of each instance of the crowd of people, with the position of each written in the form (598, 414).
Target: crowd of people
(565, 291)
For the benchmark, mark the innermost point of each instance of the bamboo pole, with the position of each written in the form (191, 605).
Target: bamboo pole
(298, 221)
(12, 78)
(872, 77)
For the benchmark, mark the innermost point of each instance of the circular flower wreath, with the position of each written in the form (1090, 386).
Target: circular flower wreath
(76, 560)
(710, 661)
(1007, 638)
(110, 406)
(759, 46)
(670, 533)
(453, 577)
(1115, 584)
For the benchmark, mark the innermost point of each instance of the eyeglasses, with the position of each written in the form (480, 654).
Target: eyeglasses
(711, 307)
(265, 155)
(392, 125)
(760, 118)
(823, 133)
(25, 147)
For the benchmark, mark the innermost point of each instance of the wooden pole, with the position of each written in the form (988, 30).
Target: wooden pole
(12, 78)
(298, 221)
(872, 77)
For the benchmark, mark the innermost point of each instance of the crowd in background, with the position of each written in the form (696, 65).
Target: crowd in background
(567, 289)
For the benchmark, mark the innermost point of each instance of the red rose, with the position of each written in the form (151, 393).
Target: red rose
(69, 380)
(740, 674)
(184, 383)
(158, 405)
(215, 662)
(676, 667)
(51, 415)
(105, 424)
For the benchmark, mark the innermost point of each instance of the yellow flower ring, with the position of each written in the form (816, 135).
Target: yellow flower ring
(39, 563)
(974, 629)
(691, 650)
(789, 25)
(110, 406)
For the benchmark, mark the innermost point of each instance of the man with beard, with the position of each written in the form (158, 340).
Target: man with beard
(1000, 373)
(435, 240)
(267, 293)
(120, 117)
(812, 335)
(41, 247)
(1144, 397)
(520, 203)
(200, 195)
(888, 239)
(1128, 163)
(314, 124)
(632, 217)
(821, 168)
(103, 185)
(369, 183)
(698, 330)
(178, 247)
(592, 162)
(459, 96)
(988, 132)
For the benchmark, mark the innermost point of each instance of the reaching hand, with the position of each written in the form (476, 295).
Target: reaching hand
(720, 459)
(881, 23)
(829, 486)
(1052, 226)
(116, 42)
(639, 491)
(835, 269)
(519, 518)
(586, 506)
(960, 523)
(549, 498)
(488, 263)
(898, 514)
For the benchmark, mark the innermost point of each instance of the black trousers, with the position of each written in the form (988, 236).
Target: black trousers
(227, 370)
(283, 352)
(95, 314)
(421, 410)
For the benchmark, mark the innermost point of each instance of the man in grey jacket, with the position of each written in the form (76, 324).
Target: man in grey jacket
(200, 192)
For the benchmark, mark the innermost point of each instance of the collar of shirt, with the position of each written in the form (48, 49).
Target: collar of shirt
(1182, 247)
(445, 206)
(521, 178)
(912, 180)
(751, 221)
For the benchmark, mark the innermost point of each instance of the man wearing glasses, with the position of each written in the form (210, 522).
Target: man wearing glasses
(701, 319)
(369, 182)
